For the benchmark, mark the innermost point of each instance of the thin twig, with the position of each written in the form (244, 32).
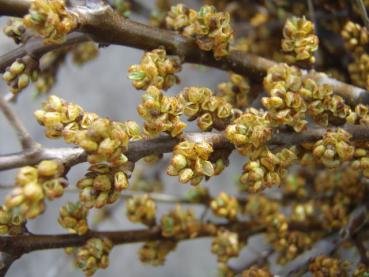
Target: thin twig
(363, 13)
(23, 135)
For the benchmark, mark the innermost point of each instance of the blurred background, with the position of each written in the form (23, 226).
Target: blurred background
(102, 86)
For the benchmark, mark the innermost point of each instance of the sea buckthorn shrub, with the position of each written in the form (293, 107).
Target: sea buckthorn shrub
(288, 111)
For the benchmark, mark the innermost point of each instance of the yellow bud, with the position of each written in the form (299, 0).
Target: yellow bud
(185, 175)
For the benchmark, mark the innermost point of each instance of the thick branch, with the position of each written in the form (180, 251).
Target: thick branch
(165, 144)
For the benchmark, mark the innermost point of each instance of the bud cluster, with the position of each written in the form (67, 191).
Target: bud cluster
(211, 29)
(236, 91)
(225, 206)
(327, 266)
(161, 113)
(103, 140)
(51, 20)
(141, 209)
(102, 185)
(94, 255)
(10, 224)
(211, 111)
(289, 244)
(256, 271)
(299, 40)
(156, 69)
(334, 148)
(15, 30)
(356, 38)
(267, 169)
(155, 252)
(260, 207)
(225, 245)
(21, 72)
(33, 186)
(84, 52)
(190, 162)
(291, 98)
(250, 131)
(73, 217)
(179, 224)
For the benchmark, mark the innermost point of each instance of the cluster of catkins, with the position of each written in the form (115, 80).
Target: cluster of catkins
(103, 140)
(156, 69)
(191, 163)
(209, 110)
(210, 29)
(27, 200)
(179, 224)
(299, 40)
(51, 20)
(292, 97)
(93, 255)
(356, 41)
(102, 185)
(21, 72)
(161, 113)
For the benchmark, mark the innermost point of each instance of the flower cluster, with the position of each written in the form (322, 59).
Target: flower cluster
(51, 20)
(359, 70)
(359, 116)
(104, 140)
(161, 113)
(225, 206)
(295, 185)
(291, 98)
(289, 244)
(155, 252)
(356, 40)
(256, 271)
(141, 209)
(284, 104)
(84, 52)
(334, 148)
(156, 69)
(102, 185)
(299, 40)
(211, 29)
(33, 186)
(236, 91)
(355, 37)
(250, 131)
(267, 169)
(21, 73)
(190, 162)
(73, 217)
(327, 266)
(225, 245)
(94, 255)
(179, 224)
(10, 224)
(260, 207)
(211, 111)
(15, 30)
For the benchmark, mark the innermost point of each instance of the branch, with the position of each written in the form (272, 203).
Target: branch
(36, 48)
(165, 144)
(24, 137)
(106, 26)
(26, 243)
